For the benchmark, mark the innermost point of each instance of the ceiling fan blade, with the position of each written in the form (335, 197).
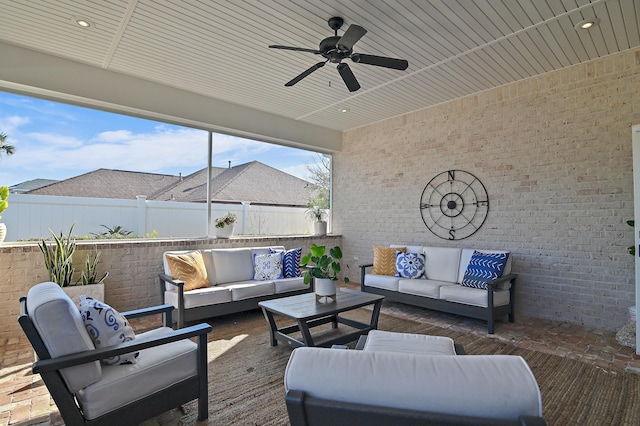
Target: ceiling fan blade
(297, 49)
(305, 73)
(380, 61)
(350, 37)
(348, 77)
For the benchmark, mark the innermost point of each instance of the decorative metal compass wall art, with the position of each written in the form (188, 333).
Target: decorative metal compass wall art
(454, 204)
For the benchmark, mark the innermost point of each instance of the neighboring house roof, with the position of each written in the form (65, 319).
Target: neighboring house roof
(107, 183)
(30, 185)
(254, 182)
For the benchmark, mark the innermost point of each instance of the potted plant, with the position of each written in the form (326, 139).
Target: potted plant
(225, 225)
(58, 259)
(319, 218)
(324, 268)
(4, 195)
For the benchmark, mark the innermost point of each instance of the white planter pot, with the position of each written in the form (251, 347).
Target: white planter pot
(3, 232)
(95, 291)
(225, 231)
(319, 228)
(326, 288)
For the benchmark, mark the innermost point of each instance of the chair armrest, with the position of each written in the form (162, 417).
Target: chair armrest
(48, 365)
(169, 279)
(493, 284)
(363, 270)
(160, 309)
(166, 309)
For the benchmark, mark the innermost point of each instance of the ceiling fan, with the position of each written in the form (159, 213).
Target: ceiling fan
(336, 48)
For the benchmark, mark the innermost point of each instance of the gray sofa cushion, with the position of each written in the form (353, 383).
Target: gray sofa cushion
(233, 265)
(248, 289)
(290, 284)
(388, 341)
(473, 296)
(441, 263)
(489, 386)
(427, 288)
(199, 297)
(382, 281)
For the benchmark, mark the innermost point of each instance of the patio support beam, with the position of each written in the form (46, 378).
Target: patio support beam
(32, 73)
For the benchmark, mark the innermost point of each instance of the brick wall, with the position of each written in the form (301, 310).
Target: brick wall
(133, 269)
(554, 153)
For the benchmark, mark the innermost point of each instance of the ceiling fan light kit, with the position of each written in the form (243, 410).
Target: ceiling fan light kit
(336, 48)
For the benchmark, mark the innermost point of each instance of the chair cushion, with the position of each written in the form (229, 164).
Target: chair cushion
(107, 327)
(267, 267)
(384, 260)
(378, 340)
(157, 368)
(489, 386)
(60, 326)
(188, 267)
(484, 267)
(409, 265)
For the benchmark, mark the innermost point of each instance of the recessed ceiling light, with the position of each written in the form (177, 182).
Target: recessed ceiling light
(344, 110)
(82, 22)
(586, 24)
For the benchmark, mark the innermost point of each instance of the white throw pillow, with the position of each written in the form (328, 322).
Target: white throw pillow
(267, 266)
(107, 327)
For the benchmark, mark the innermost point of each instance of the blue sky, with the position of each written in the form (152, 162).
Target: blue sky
(59, 141)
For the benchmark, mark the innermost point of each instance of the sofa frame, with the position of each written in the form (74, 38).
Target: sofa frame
(305, 410)
(489, 314)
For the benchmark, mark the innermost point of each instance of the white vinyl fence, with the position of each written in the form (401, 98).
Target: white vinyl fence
(31, 216)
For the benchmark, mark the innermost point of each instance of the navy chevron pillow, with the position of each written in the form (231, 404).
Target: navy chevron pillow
(484, 267)
(291, 262)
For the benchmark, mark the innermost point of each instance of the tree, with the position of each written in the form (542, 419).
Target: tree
(7, 148)
(320, 177)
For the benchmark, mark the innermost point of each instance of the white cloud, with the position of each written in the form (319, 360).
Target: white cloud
(114, 135)
(59, 142)
(9, 124)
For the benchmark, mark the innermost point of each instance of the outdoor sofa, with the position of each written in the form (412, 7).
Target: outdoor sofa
(211, 282)
(409, 379)
(464, 281)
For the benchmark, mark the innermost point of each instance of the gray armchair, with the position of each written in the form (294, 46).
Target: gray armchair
(170, 369)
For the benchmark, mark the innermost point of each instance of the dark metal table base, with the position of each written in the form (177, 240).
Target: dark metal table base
(308, 314)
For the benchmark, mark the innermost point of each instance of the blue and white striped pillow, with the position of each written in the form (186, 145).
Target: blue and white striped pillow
(291, 262)
(484, 267)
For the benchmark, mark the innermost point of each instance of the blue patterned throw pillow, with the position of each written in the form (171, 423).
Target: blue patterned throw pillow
(291, 262)
(409, 265)
(484, 267)
(107, 327)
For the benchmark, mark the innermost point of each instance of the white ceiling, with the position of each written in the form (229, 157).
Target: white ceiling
(218, 49)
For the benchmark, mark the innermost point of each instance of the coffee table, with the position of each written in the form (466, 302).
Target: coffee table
(308, 313)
